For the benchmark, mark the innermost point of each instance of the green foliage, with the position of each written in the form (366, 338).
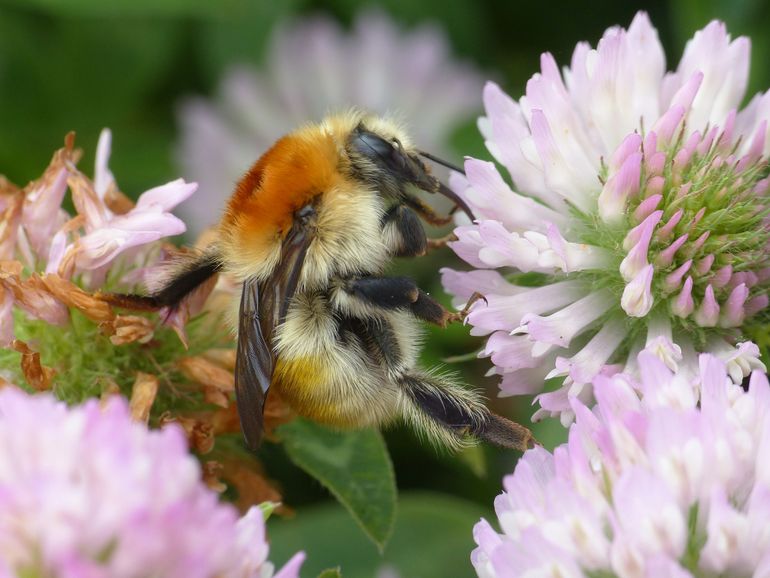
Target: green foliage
(84, 359)
(331, 573)
(267, 509)
(696, 539)
(475, 458)
(354, 466)
(155, 8)
(432, 537)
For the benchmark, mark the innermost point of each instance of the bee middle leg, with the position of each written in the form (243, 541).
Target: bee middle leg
(399, 293)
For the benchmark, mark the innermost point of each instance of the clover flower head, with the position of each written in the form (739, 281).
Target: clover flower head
(638, 218)
(110, 232)
(665, 477)
(87, 492)
(47, 255)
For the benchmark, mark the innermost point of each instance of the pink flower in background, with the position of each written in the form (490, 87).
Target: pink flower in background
(109, 240)
(674, 484)
(638, 217)
(108, 234)
(86, 492)
(313, 68)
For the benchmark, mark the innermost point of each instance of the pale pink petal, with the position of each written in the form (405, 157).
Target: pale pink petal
(510, 141)
(559, 328)
(563, 174)
(56, 252)
(42, 213)
(468, 245)
(6, 317)
(727, 529)
(462, 284)
(647, 206)
(586, 363)
(683, 305)
(725, 67)
(660, 342)
(103, 178)
(546, 92)
(649, 517)
(165, 197)
(509, 352)
(292, 567)
(637, 298)
(733, 312)
(674, 279)
(100, 247)
(707, 315)
(502, 312)
(619, 188)
(504, 248)
(636, 260)
(491, 198)
(555, 252)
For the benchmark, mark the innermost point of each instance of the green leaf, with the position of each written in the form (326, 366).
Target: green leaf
(432, 537)
(354, 466)
(131, 8)
(476, 460)
(331, 573)
(241, 36)
(267, 509)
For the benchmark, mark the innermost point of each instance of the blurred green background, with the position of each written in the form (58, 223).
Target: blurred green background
(85, 64)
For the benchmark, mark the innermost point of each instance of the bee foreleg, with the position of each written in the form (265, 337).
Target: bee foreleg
(425, 211)
(441, 242)
(403, 232)
(447, 413)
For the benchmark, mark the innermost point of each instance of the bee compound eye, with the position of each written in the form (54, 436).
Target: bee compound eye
(370, 145)
(380, 150)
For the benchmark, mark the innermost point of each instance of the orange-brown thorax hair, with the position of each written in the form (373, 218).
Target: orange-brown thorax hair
(308, 165)
(283, 180)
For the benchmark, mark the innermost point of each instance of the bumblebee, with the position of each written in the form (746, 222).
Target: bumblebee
(309, 231)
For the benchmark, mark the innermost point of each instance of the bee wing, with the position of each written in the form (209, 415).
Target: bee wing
(263, 308)
(253, 366)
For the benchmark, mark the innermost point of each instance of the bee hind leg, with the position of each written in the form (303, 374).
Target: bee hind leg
(452, 416)
(185, 276)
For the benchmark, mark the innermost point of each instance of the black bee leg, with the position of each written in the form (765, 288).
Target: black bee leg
(189, 273)
(460, 316)
(440, 242)
(384, 292)
(428, 309)
(400, 293)
(426, 212)
(448, 412)
(403, 232)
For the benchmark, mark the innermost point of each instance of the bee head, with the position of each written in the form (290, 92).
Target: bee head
(381, 155)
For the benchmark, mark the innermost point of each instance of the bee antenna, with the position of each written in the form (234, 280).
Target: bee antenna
(441, 162)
